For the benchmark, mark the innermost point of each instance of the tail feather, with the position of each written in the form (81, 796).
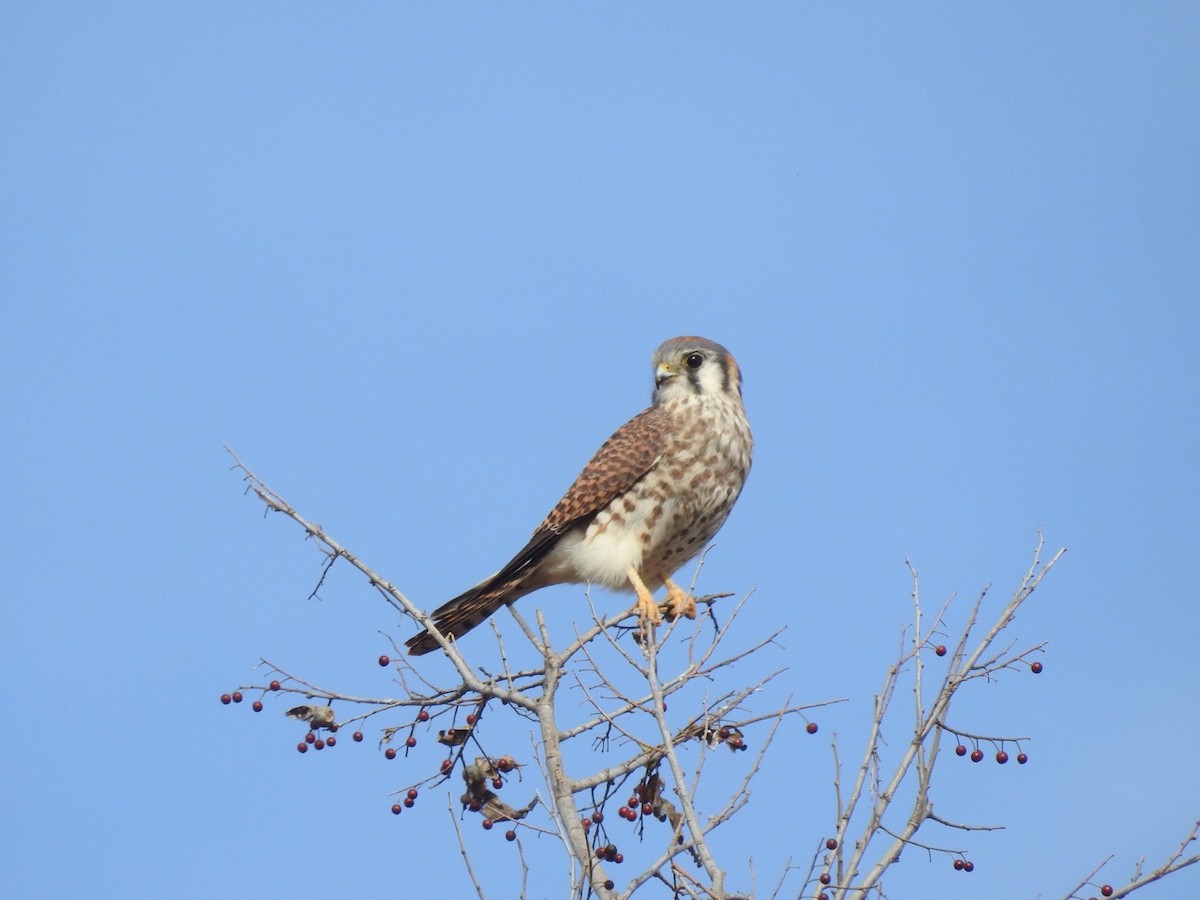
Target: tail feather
(466, 611)
(472, 607)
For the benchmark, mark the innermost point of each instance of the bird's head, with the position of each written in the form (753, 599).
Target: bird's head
(694, 366)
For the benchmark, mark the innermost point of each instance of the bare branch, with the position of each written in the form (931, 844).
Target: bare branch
(462, 849)
(622, 675)
(1174, 863)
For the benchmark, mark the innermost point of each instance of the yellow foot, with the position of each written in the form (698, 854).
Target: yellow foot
(679, 602)
(647, 608)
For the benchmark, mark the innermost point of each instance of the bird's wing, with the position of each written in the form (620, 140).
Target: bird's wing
(618, 465)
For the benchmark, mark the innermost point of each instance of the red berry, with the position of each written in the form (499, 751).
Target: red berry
(634, 802)
(237, 696)
(586, 823)
(608, 885)
(960, 750)
(383, 660)
(409, 802)
(647, 809)
(411, 742)
(624, 812)
(357, 736)
(310, 737)
(497, 783)
(940, 649)
(968, 866)
(318, 744)
(332, 728)
(412, 794)
(302, 747)
(825, 878)
(1107, 890)
(396, 807)
(811, 728)
(976, 755)
(958, 865)
(822, 896)
(447, 765)
(475, 806)
(423, 716)
(1035, 668)
(831, 844)
(597, 817)
(274, 685)
(510, 835)
(1001, 757)
(390, 752)
(470, 718)
(618, 858)
(487, 824)
(330, 741)
(226, 699)
(1022, 759)
(257, 706)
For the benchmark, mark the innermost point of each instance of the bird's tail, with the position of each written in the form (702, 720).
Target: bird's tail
(471, 608)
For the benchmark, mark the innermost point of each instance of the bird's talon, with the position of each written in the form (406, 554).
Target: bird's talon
(679, 602)
(648, 610)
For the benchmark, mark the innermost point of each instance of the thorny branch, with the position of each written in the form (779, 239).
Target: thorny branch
(639, 717)
(1174, 863)
(632, 709)
(916, 763)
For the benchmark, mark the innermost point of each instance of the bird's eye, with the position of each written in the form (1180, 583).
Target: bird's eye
(694, 360)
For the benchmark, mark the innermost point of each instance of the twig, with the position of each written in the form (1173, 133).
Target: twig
(462, 848)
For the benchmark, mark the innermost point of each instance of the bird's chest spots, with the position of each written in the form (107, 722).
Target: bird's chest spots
(668, 516)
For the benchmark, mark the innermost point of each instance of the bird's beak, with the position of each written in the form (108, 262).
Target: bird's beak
(662, 372)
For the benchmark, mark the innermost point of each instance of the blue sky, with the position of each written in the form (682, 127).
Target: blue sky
(411, 262)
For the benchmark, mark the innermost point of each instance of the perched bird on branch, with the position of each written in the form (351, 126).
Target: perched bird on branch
(649, 501)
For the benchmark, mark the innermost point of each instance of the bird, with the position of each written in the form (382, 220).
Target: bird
(649, 501)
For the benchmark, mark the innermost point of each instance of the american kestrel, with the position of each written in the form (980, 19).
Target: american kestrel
(648, 502)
